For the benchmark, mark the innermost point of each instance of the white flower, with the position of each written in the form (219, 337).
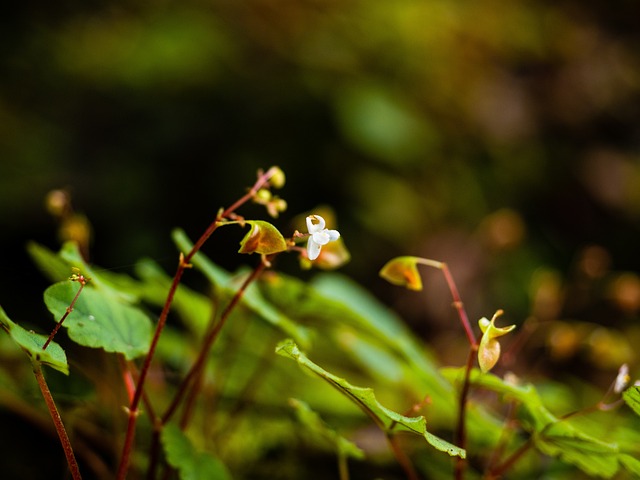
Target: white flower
(622, 380)
(318, 235)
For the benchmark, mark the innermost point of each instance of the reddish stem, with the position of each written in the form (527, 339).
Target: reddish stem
(461, 431)
(464, 319)
(402, 458)
(459, 306)
(83, 282)
(498, 471)
(133, 411)
(57, 421)
(196, 368)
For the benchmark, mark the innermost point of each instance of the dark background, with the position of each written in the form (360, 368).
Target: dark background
(502, 138)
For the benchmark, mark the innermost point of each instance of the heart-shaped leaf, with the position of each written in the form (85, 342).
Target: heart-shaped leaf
(100, 320)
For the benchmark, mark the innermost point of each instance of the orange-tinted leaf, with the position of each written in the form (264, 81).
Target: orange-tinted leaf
(402, 271)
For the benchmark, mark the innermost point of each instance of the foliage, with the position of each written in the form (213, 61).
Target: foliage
(31, 343)
(211, 389)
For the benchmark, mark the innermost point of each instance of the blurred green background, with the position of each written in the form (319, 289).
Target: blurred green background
(500, 137)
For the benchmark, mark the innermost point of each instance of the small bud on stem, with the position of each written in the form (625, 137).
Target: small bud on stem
(76, 276)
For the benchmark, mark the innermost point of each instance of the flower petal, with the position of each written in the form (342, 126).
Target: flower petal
(313, 249)
(622, 380)
(315, 227)
(321, 238)
(333, 235)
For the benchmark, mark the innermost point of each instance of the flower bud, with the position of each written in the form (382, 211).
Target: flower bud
(489, 348)
(57, 202)
(263, 196)
(276, 177)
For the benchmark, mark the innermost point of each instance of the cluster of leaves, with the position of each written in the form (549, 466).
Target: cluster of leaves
(251, 401)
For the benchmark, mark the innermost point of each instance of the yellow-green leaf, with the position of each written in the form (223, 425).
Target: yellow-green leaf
(316, 427)
(32, 343)
(388, 420)
(402, 271)
(263, 238)
(632, 398)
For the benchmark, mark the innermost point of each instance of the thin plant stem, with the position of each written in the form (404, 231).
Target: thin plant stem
(192, 379)
(57, 421)
(133, 412)
(249, 390)
(190, 401)
(498, 471)
(602, 405)
(461, 431)
(343, 467)
(464, 393)
(505, 436)
(507, 464)
(209, 341)
(83, 281)
(402, 457)
(457, 302)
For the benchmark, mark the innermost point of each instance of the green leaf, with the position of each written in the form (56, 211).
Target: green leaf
(402, 271)
(388, 420)
(591, 455)
(57, 267)
(318, 429)
(552, 436)
(191, 464)
(54, 267)
(100, 320)
(340, 299)
(121, 287)
(355, 322)
(537, 415)
(632, 398)
(337, 305)
(631, 463)
(263, 238)
(32, 344)
(252, 297)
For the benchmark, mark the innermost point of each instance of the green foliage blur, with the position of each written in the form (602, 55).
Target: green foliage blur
(500, 137)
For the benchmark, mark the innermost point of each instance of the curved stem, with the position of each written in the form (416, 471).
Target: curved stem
(133, 410)
(196, 368)
(66, 314)
(498, 471)
(457, 301)
(461, 434)
(191, 381)
(343, 468)
(461, 431)
(402, 458)
(57, 421)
